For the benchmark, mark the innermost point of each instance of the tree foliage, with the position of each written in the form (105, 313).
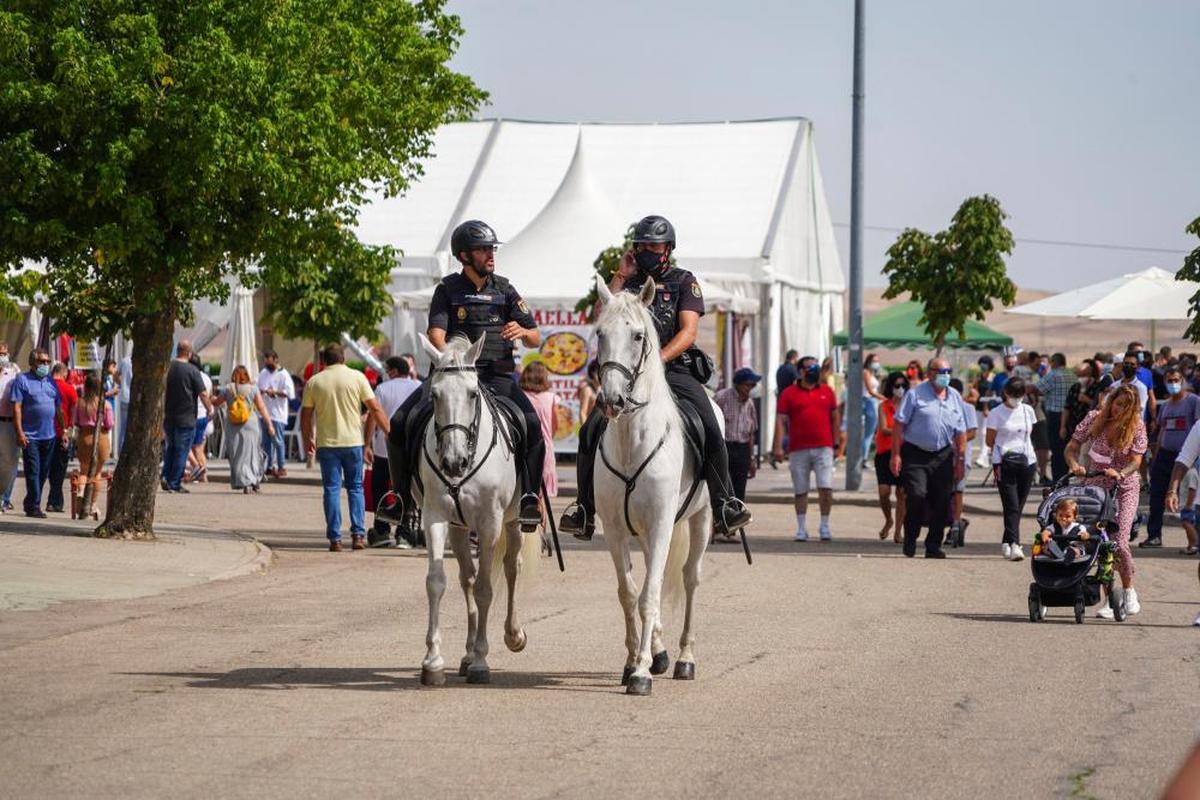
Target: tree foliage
(151, 148)
(956, 274)
(1190, 271)
(605, 266)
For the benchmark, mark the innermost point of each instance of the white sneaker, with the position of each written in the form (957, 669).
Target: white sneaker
(1105, 612)
(801, 536)
(1016, 553)
(1132, 606)
(1006, 549)
(825, 534)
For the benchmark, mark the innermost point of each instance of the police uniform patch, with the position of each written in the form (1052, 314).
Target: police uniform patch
(696, 289)
(462, 313)
(522, 306)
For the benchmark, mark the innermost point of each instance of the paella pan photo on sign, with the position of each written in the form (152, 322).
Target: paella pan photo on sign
(564, 353)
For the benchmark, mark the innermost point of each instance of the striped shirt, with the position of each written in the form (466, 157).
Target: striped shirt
(741, 420)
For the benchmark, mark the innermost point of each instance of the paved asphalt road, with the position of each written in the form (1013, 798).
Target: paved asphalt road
(824, 670)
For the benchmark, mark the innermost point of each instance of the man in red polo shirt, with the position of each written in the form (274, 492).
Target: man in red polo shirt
(810, 410)
(55, 500)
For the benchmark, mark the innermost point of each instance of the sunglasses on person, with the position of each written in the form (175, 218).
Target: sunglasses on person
(943, 371)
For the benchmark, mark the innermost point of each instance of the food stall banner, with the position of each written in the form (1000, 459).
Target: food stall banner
(568, 343)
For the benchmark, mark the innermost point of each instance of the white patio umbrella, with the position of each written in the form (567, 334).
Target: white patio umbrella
(1152, 294)
(239, 346)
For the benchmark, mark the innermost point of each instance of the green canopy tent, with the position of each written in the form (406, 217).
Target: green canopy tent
(898, 326)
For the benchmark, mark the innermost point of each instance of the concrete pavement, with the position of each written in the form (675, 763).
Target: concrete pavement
(825, 670)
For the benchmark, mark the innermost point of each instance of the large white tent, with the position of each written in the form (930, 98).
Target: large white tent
(746, 199)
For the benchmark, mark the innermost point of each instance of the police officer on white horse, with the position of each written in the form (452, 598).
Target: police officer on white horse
(477, 302)
(678, 304)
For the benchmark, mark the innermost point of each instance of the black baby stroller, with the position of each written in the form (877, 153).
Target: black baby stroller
(1072, 582)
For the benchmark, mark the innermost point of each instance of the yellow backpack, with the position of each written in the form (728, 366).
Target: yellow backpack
(239, 410)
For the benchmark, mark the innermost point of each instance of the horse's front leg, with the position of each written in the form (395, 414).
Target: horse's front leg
(433, 669)
(479, 672)
(514, 635)
(466, 579)
(618, 548)
(700, 526)
(657, 544)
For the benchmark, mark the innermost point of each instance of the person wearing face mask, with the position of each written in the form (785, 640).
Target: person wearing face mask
(872, 370)
(894, 388)
(37, 405)
(1082, 397)
(741, 428)
(1009, 440)
(10, 449)
(809, 410)
(1176, 417)
(677, 306)
(1053, 388)
(277, 389)
(1127, 375)
(928, 451)
(476, 302)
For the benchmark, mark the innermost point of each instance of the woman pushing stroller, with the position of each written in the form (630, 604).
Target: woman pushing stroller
(1118, 442)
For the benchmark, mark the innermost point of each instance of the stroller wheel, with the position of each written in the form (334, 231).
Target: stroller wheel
(1080, 611)
(1037, 612)
(1117, 606)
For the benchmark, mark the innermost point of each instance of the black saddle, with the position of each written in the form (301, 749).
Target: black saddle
(693, 431)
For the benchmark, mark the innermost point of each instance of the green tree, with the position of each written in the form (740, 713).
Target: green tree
(150, 148)
(956, 274)
(605, 266)
(1190, 271)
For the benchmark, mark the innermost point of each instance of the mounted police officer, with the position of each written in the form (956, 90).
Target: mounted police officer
(678, 305)
(478, 302)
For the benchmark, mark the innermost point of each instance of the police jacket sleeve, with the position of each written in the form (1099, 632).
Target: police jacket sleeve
(690, 296)
(518, 309)
(439, 308)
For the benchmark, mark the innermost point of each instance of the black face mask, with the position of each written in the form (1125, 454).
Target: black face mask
(1128, 370)
(651, 262)
(271, 367)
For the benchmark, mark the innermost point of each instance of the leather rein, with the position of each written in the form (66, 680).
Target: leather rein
(630, 481)
(472, 432)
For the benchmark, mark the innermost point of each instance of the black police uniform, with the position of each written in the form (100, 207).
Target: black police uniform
(677, 290)
(459, 308)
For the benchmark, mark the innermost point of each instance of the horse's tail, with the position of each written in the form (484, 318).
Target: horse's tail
(677, 556)
(531, 556)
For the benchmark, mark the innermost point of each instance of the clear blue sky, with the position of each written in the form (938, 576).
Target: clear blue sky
(1081, 116)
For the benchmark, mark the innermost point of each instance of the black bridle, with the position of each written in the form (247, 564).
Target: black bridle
(631, 375)
(472, 432)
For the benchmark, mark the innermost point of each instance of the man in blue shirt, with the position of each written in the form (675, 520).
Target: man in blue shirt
(787, 373)
(36, 402)
(928, 451)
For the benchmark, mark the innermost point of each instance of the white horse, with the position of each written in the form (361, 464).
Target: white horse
(469, 478)
(647, 472)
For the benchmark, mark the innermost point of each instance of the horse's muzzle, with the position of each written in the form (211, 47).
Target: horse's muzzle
(454, 466)
(612, 407)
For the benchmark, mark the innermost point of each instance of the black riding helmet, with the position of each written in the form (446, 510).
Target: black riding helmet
(471, 234)
(654, 229)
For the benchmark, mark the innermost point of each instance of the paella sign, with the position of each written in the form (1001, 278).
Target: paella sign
(567, 346)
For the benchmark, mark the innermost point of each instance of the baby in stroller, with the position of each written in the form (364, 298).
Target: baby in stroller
(1066, 529)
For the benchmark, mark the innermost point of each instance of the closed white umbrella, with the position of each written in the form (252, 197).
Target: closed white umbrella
(239, 345)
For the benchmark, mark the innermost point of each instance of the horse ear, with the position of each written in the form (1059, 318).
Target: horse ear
(647, 293)
(475, 349)
(603, 291)
(434, 354)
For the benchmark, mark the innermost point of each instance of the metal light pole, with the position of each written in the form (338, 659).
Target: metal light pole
(854, 367)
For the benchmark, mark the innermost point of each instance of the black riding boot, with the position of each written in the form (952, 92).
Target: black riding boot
(530, 514)
(579, 518)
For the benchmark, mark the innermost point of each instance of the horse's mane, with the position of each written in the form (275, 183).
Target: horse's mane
(628, 306)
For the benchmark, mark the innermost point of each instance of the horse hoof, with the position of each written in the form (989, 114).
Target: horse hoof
(685, 671)
(516, 643)
(638, 685)
(660, 663)
(479, 675)
(463, 666)
(626, 674)
(433, 677)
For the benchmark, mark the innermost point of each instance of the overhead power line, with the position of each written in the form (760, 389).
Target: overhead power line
(1052, 242)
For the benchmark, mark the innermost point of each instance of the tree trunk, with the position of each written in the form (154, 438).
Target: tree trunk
(135, 483)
